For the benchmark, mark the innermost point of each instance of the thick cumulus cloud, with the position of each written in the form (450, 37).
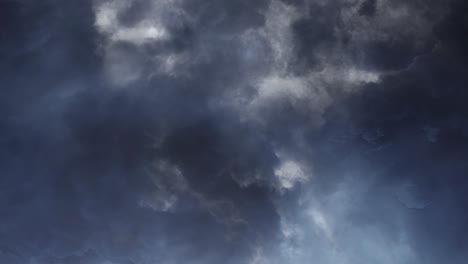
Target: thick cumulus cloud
(256, 132)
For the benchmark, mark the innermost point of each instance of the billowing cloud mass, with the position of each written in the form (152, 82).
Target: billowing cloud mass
(233, 131)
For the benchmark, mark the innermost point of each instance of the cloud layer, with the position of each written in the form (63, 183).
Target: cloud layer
(256, 132)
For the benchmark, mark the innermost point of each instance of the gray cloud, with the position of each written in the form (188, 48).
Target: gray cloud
(263, 132)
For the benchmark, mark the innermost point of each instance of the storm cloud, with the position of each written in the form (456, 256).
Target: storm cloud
(238, 132)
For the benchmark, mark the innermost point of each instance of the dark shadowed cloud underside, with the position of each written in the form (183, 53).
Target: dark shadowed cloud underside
(233, 131)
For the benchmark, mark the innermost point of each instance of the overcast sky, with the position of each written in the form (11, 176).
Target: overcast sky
(233, 131)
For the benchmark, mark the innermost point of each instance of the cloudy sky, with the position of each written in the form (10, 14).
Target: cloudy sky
(233, 131)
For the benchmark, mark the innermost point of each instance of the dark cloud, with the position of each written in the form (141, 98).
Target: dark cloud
(368, 8)
(178, 131)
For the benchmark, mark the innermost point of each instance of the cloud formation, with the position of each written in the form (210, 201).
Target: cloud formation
(256, 132)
